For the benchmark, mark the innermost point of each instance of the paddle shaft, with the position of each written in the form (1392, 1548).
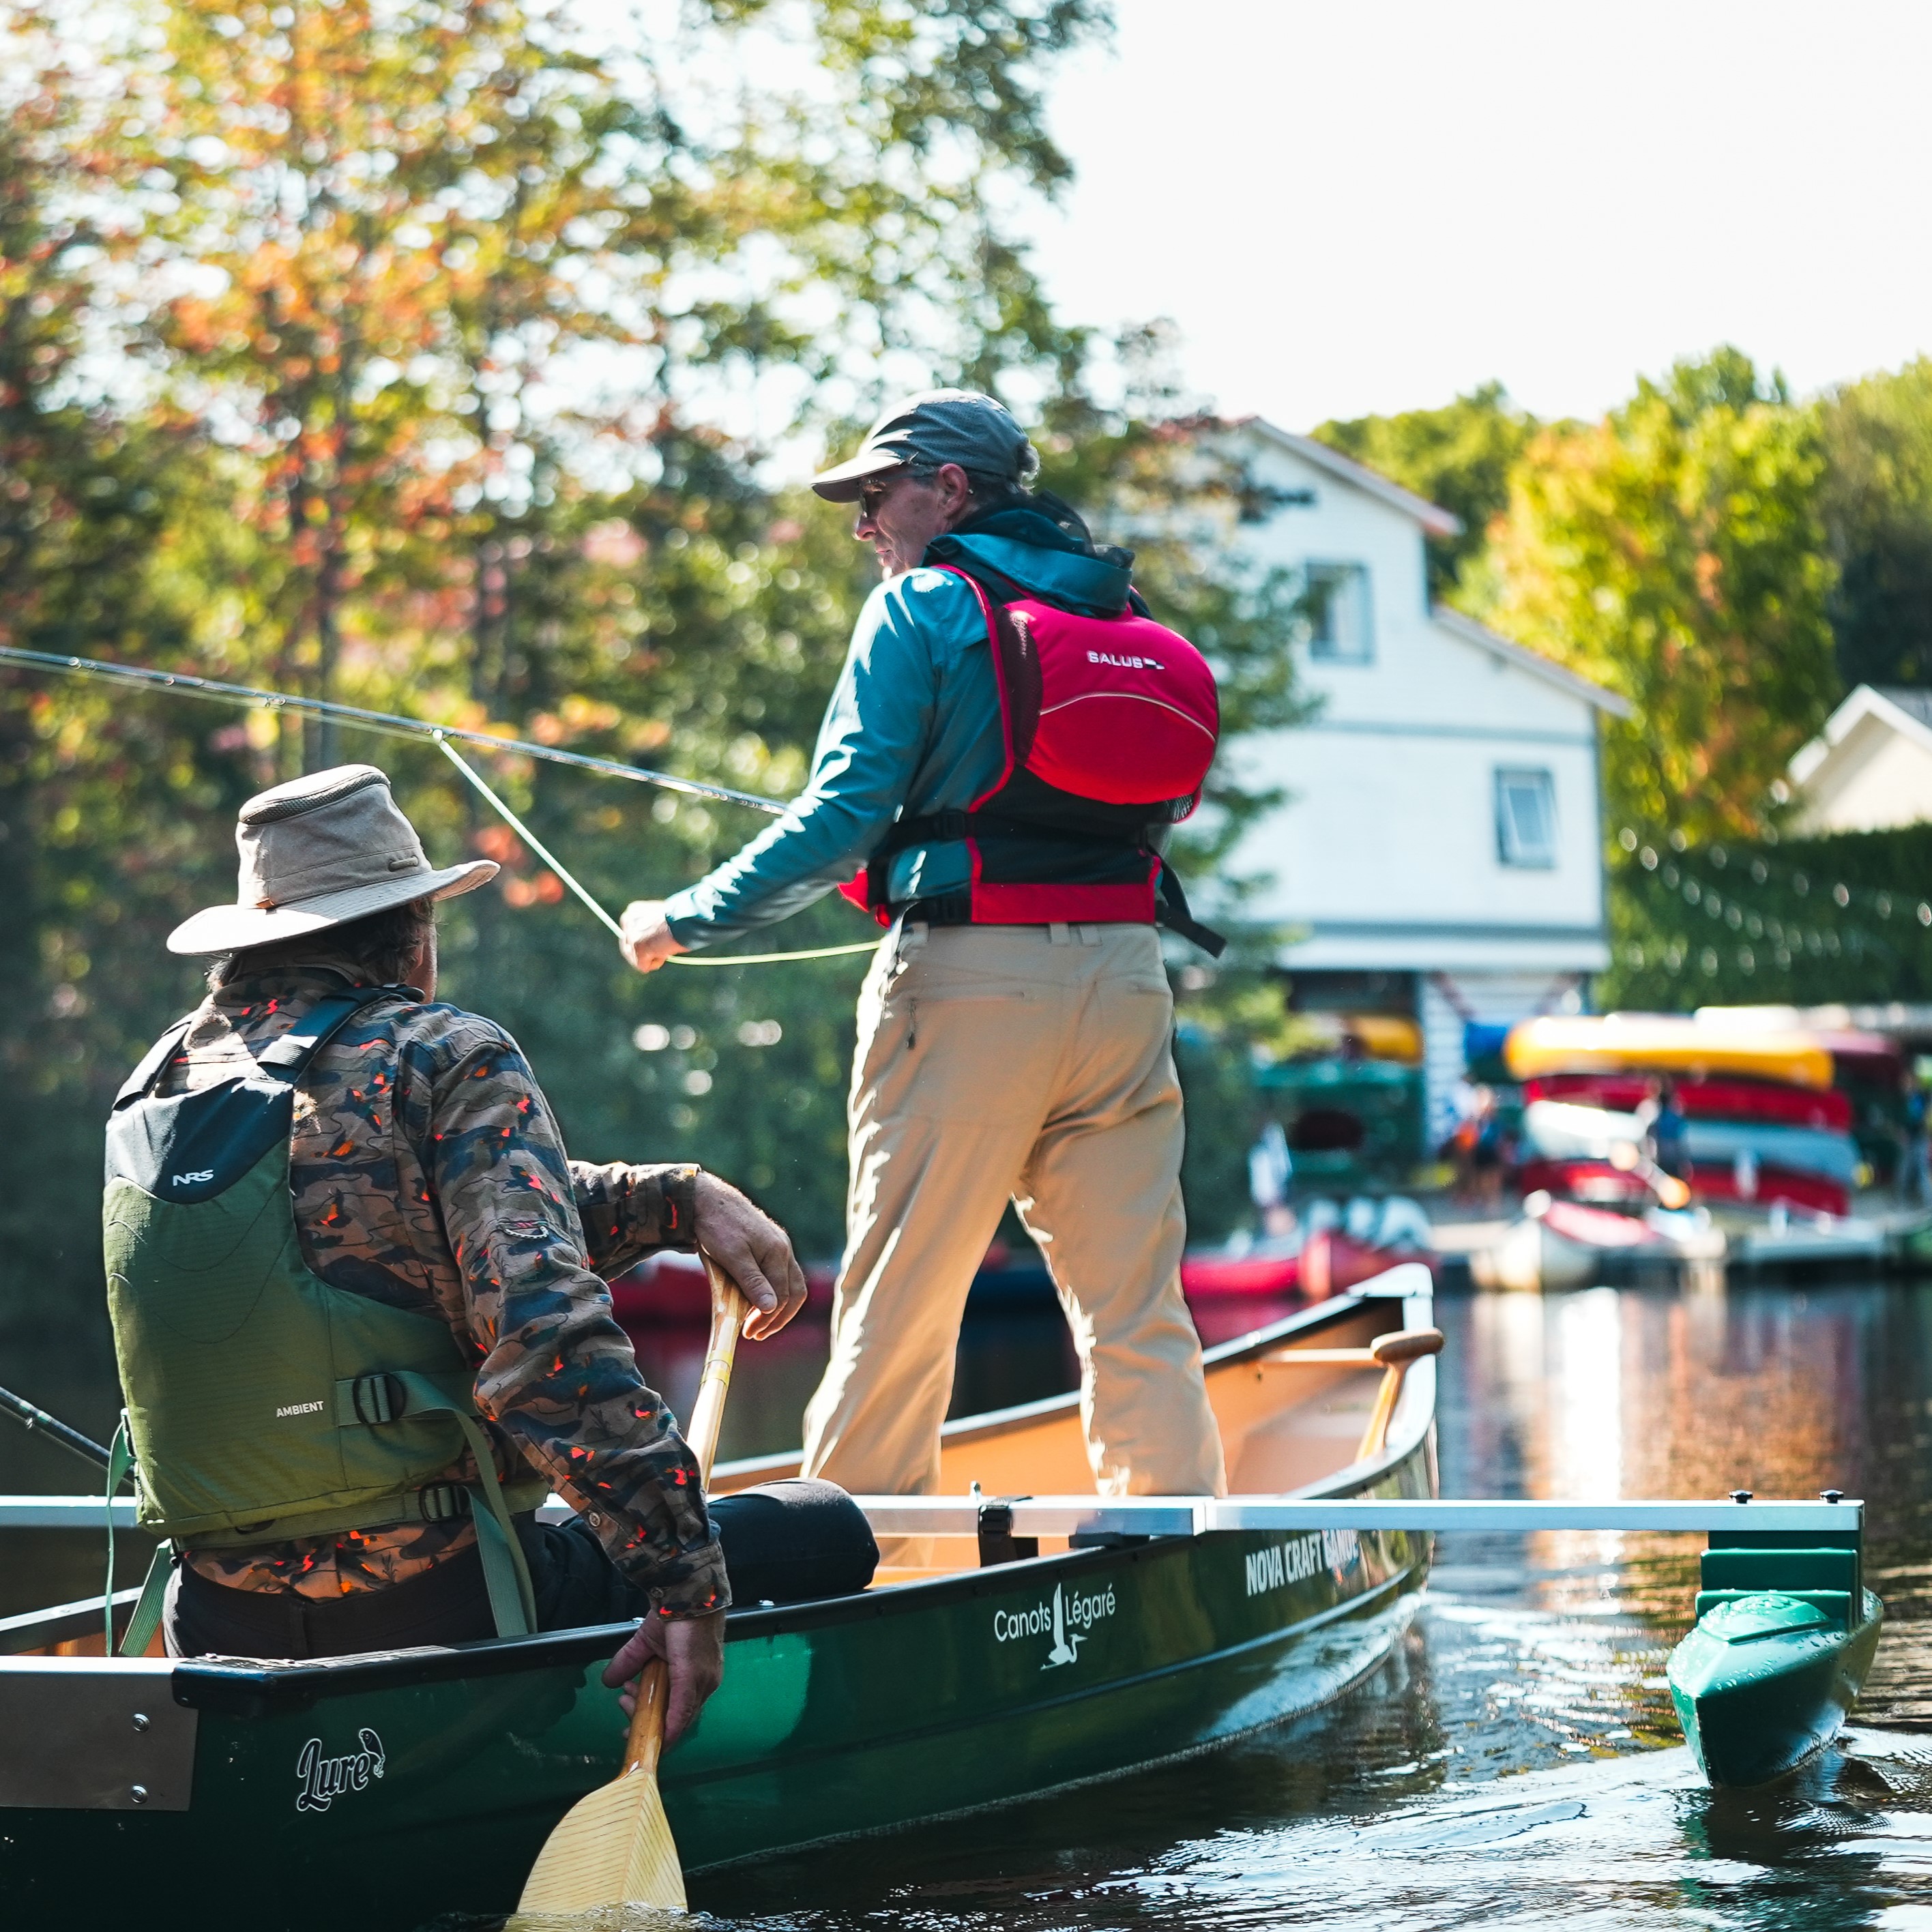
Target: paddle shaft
(646, 1742)
(30, 1417)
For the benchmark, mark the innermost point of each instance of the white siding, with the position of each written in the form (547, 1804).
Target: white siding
(1386, 856)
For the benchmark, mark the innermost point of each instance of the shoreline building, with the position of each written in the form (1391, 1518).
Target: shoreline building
(1870, 768)
(1440, 856)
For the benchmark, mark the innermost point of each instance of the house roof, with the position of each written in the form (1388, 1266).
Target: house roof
(1534, 662)
(1908, 713)
(1433, 518)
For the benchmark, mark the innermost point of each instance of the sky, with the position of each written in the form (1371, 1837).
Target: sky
(1371, 205)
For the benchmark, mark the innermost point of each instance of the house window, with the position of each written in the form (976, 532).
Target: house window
(1525, 818)
(1340, 628)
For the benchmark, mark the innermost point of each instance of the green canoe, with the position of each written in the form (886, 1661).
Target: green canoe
(426, 1780)
(1785, 1633)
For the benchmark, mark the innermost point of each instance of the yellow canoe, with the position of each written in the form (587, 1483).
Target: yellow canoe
(1664, 1043)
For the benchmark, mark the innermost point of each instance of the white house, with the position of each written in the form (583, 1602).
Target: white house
(1441, 854)
(1871, 768)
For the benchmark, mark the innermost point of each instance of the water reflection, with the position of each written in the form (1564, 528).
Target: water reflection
(1518, 1757)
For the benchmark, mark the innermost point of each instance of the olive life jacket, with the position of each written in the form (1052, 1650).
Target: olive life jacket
(262, 1403)
(1110, 725)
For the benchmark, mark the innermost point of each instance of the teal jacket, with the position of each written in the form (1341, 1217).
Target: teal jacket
(913, 727)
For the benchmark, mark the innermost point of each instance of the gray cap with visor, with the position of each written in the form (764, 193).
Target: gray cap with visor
(927, 430)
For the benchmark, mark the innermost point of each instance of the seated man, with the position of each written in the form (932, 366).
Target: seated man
(344, 1425)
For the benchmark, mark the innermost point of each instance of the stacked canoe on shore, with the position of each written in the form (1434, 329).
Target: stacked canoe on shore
(1765, 1159)
(1766, 1121)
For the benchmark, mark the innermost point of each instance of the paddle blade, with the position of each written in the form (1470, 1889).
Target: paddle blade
(613, 1848)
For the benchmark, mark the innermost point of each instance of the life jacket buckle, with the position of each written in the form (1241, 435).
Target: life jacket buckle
(380, 1398)
(443, 1502)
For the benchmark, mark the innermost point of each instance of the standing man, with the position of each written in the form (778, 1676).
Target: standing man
(1008, 734)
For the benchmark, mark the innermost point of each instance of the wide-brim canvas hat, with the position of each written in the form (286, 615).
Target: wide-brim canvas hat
(319, 851)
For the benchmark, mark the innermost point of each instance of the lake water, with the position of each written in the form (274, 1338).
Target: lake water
(1517, 1759)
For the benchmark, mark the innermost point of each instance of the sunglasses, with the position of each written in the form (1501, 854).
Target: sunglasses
(872, 495)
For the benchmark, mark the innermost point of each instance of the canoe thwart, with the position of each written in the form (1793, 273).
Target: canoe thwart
(1404, 1345)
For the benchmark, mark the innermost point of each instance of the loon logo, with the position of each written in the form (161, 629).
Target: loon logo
(193, 1180)
(324, 1779)
(1043, 1619)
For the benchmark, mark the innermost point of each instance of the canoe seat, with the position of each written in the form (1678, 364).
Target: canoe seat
(1835, 1604)
(1794, 1572)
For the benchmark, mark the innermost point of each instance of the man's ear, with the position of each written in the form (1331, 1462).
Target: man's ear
(955, 490)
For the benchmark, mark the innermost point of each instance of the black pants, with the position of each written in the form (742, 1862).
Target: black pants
(786, 1542)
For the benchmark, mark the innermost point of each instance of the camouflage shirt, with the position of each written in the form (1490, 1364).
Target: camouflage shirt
(427, 1172)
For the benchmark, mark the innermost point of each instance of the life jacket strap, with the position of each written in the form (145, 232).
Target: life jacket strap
(388, 1396)
(1170, 910)
(146, 1618)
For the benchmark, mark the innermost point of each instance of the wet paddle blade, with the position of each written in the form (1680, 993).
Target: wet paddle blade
(612, 1848)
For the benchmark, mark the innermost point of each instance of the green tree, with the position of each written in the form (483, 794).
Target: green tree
(1876, 503)
(1459, 456)
(1674, 552)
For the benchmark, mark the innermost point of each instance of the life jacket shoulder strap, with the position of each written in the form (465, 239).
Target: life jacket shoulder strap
(287, 1059)
(156, 1057)
(1015, 661)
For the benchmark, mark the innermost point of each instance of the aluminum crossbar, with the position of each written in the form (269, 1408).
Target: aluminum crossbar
(1184, 1516)
(64, 1513)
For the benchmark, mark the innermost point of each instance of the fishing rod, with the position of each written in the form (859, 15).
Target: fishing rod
(31, 1417)
(393, 724)
(566, 878)
(388, 724)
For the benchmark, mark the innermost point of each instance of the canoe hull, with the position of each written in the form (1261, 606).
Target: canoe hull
(1169, 1648)
(434, 1777)
(1753, 1712)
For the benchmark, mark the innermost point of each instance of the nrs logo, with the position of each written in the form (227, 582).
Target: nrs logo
(194, 1180)
(1282, 1564)
(1069, 1621)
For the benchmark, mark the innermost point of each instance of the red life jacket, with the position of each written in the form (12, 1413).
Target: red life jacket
(1110, 725)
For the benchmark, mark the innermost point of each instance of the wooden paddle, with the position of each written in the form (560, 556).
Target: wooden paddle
(614, 1847)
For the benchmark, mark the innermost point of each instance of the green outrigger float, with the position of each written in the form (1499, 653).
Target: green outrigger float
(1785, 1633)
(1065, 1637)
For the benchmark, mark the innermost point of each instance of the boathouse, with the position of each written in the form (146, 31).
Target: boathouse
(1440, 856)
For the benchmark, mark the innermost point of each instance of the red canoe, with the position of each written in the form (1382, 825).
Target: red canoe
(1597, 1180)
(1767, 1101)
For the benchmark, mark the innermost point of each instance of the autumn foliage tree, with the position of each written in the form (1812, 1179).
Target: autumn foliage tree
(1674, 552)
(435, 358)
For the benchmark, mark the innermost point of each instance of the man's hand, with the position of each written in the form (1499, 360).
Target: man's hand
(694, 1647)
(648, 941)
(753, 1250)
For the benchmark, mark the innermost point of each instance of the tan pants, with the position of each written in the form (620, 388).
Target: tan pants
(1033, 1062)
